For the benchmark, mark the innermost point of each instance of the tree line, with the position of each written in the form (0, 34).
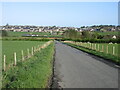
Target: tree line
(87, 36)
(73, 34)
(3, 33)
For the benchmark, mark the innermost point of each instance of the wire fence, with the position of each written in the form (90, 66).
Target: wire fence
(109, 48)
(23, 56)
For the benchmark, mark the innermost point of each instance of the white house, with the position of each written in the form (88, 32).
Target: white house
(114, 37)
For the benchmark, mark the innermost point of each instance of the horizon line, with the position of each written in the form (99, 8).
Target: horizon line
(60, 26)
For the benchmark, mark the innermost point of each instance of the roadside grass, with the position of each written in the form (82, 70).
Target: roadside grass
(103, 47)
(109, 57)
(32, 73)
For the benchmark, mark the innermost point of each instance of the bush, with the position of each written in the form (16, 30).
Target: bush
(26, 39)
(3, 33)
(94, 40)
(71, 34)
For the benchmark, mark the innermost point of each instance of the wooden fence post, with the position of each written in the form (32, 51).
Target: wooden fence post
(4, 63)
(32, 50)
(113, 50)
(22, 55)
(95, 46)
(92, 46)
(28, 53)
(35, 49)
(87, 45)
(107, 49)
(44, 45)
(15, 62)
(98, 47)
(102, 48)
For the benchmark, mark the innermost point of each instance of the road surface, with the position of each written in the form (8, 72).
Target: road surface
(76, 69)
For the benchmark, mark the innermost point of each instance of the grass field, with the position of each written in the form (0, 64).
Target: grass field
(42, 34)
(108, 33)
(32, 73)
(9, 47)
(19, 34)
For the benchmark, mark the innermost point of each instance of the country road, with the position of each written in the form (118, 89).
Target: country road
(76, 69)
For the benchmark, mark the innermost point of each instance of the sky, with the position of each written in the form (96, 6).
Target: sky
(73, 14)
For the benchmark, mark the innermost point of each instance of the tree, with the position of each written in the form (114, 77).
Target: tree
(94, 35)
(83, 27)
(3, 33)
(85, 34)
(71, 34)
(58, 32)
(7, 24)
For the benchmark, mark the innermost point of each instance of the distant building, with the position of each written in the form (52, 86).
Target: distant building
(114, 37)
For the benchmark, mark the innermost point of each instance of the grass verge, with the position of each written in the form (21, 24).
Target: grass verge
(32, 73)
(109, 57)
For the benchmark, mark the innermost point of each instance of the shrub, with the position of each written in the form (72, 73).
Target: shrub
(3, 33)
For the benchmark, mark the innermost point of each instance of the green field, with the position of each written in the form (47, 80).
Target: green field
(19, 34)
(108, 33)
(32, 73)
(42, 34)
(9, 47)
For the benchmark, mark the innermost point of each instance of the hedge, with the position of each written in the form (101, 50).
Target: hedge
(93, 40)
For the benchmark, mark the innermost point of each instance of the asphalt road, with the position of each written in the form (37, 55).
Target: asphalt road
(76, 69)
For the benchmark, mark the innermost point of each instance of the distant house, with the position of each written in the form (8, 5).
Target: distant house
(114, 37)
(110, 37)
(92, 30)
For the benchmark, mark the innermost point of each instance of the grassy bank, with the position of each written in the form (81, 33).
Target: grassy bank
(109, 57)
(32, 73)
